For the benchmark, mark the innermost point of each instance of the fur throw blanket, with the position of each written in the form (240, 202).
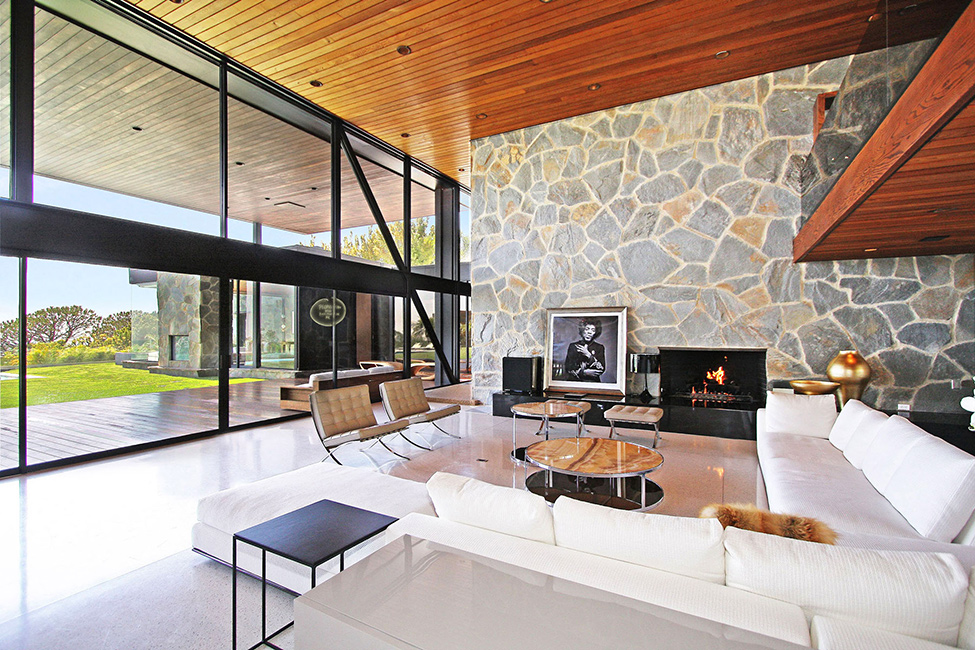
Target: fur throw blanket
(749, 517)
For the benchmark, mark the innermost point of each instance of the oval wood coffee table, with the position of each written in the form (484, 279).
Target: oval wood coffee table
(598, 470)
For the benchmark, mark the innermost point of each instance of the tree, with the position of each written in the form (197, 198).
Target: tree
(114, 331)
(372, 246)
(9, 334)
(60, 324)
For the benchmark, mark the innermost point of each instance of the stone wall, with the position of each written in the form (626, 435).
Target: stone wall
(684, 209)
(189, 305)
(874, 81)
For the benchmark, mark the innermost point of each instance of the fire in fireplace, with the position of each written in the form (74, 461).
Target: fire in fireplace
(723, 378)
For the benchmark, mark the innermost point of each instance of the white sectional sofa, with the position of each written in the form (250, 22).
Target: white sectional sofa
(221, 515)
(879, 481)
(813, 595)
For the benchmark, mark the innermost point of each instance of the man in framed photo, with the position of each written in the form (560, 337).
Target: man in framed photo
(585, 359)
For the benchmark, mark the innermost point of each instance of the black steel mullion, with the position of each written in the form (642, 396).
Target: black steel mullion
(22, 100)
(224, 319)
(256, 331)
(431, 331)
(408, 212)
(223, 358)
(377, 213)
(22, 363)
(407, 333)
(336, 182)
(224, 155)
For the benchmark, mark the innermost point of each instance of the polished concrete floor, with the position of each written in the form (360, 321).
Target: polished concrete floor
(68, 530)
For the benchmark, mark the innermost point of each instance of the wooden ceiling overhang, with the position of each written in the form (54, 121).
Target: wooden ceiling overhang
(519, 63)
(911, 188)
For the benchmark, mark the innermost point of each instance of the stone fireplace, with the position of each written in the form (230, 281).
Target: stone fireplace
(713, 377)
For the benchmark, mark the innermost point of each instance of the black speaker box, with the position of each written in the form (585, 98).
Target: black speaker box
(521, 374)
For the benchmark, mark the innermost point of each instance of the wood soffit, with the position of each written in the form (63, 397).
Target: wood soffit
(526, 62)
(911, 188)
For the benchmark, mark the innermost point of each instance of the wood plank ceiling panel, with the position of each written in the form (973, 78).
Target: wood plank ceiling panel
(90, 94)
(525, 62)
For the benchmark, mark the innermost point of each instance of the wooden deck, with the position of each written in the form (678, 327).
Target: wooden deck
(68, 429)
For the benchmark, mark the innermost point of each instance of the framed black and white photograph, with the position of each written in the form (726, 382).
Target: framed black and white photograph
(585, 350)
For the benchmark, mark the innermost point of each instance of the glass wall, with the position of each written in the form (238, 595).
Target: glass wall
(422, 353)
(9, 363)
(118, 134)
(465, 237)
(279, 176)
(4, 98)
(423, 230)
(464, 338)
(117, 357)
(362, 241)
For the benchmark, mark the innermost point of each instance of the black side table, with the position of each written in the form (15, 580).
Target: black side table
(309, 536)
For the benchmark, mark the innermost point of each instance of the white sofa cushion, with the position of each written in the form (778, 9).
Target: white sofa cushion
(966, 634)
(895, 438)
(917, 594)
(809, 476)
(502, 509)
(695, 597)
(847, 422)
(867, 429)
(684, 545)
(831, 634)
(934, 488)
(801, 415)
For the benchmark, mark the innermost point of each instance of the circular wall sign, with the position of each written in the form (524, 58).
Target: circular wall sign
(328, 311)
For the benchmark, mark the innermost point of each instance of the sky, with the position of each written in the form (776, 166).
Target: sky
(106, 289)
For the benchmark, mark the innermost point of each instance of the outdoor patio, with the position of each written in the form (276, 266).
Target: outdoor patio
(68, 429)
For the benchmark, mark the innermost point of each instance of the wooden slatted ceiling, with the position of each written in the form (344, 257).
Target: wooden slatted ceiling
(915, 177)
(89, 94)
(525, 62)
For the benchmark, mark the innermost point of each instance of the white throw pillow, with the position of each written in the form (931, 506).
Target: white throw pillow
(912, 593)
(894, 440)
(847, 422)
(934, 488)
(803, 415)
(501, 509)
(866, 431)
(683, 545)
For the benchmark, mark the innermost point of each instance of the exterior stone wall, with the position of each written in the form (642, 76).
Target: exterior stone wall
(684, 209)
(189, 305)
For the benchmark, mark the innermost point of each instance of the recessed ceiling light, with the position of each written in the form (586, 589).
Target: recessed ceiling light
(461, 169)
(933, 238)
(906, 10)
(545, 2)
(404, 49)
(723, 54)
(594, 86)
(404, 135)
(874, 17)
(177, 2)
(316, 83)
(314, 189)
(267, 198)
(136, 128)
(239, 164)
(869, 250)
(481, 116)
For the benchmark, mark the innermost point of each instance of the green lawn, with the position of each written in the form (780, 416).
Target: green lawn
(93, 380)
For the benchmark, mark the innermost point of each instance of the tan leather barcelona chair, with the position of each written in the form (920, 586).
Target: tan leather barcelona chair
(405, 399)
(344, 415)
